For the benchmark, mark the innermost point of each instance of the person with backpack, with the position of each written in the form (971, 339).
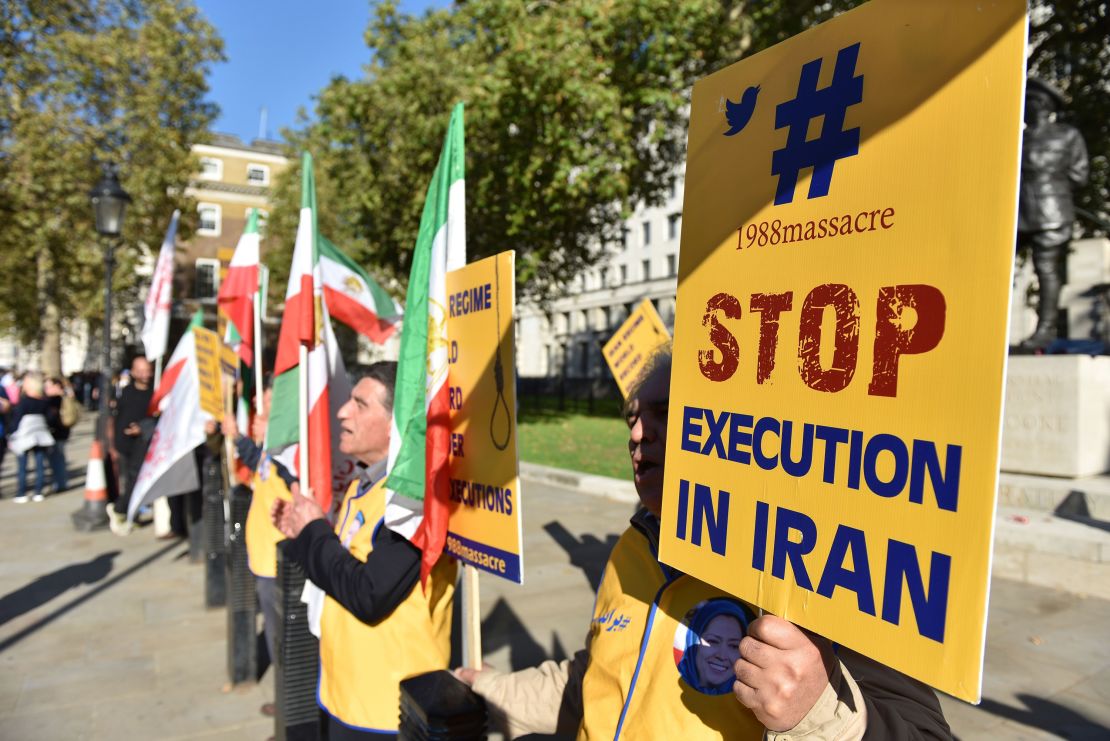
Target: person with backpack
(63, 414)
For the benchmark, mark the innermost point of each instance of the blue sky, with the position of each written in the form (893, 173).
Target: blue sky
(281, 52)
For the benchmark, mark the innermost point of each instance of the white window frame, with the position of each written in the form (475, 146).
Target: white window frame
(218, 175)
(265, 173)
(219, 220)
(215, 265)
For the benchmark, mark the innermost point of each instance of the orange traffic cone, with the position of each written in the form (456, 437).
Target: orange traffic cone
(94, 515)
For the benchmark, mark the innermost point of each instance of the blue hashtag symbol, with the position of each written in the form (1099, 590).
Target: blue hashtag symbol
(846, 89)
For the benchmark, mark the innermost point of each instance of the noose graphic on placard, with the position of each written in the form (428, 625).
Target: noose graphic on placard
(499, 371)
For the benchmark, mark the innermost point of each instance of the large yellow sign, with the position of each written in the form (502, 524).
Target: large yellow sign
(840, 343)
(628, 351)
(484, 528)
(208, 371)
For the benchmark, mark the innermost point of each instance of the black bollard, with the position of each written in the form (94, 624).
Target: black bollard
(242, 608)
(436, 705)
(212, 533)
(297, 664)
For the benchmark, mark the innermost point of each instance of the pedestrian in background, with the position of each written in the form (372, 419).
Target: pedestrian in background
(5, 425)
(132, 431)
(63, 414)
(31, 436)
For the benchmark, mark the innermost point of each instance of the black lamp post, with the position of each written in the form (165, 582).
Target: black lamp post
(109, 201)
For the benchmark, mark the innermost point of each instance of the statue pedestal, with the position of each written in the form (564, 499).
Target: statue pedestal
(1056, 419)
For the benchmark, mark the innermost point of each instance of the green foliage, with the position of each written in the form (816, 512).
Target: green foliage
(576, 111)
(86, 82)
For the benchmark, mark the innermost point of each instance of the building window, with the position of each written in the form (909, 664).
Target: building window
(211, 168)
(584, 359)
(672, 265)
(209, 225)
(604, 273)
(207, 281)
(258, 174)
(604, 313)
(672, 225)
(647, 232)
(624, 237)
(624, 274)
(263, 217)
(647, 269)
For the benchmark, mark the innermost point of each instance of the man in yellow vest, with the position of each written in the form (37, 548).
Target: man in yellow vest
(378, 625)
(661, 642)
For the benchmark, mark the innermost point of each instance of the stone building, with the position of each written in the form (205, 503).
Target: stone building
(564, 342)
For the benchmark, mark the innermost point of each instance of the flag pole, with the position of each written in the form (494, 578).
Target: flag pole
(472, 619)
(306, 482)
(157, 372)
(258, 352)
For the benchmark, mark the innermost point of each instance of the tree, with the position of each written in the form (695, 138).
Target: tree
(576, 111)
(88, 82)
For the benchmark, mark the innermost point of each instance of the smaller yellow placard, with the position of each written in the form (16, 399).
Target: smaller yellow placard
(629, 349)
(208, 371)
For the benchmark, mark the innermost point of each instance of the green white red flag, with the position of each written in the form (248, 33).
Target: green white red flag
(419, 437)
(316, 373)
(240, 286)
(354, 298)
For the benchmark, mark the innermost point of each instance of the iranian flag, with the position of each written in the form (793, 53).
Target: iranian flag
(310, 382)
(169, 467)
(354, 298)
(239, 289)
(419, 437)
(156, 308)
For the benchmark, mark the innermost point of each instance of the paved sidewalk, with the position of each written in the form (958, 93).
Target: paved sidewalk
(106, 638)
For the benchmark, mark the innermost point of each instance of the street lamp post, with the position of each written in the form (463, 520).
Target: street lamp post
(109, 201)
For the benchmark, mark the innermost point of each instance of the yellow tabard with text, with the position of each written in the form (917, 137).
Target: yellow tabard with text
(484, 529)
(208, 371)
(362, 665)
(840, 341)
(628, 351)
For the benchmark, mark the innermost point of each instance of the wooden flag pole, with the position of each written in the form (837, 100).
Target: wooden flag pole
(472, 619)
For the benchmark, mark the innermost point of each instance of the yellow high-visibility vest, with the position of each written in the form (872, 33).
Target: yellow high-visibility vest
(634, 687)
(361, 666)
(262, 536)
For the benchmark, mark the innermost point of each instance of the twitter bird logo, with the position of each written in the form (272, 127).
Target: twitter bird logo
(738, 114)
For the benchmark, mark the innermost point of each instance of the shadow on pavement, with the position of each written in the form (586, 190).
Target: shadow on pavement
(74, 603)
(503, 627)
(1048, 716)
(47, 587)
(587, 553)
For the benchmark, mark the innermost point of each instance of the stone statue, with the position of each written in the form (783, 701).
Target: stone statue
(1053, 162)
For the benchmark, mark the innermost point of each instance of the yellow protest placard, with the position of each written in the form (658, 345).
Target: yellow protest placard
(484, 528)
(629, 349)
(208, 371)
(840, 340)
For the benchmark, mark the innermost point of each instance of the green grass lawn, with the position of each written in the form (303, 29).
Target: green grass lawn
(575, 439)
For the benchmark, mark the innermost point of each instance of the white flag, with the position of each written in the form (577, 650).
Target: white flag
(169, 467)
(156, 309)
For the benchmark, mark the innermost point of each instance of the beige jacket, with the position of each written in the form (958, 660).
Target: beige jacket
(863, 700)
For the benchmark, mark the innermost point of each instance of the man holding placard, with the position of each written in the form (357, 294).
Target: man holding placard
(657, 633)
(378, 625)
